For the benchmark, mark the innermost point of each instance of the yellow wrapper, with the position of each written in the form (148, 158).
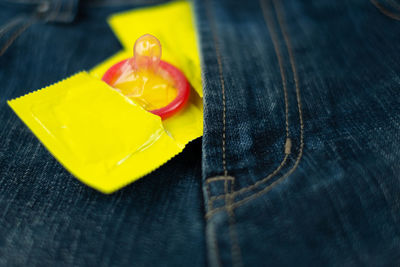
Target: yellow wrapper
(102, 137)
(99, 135)
(172, 24)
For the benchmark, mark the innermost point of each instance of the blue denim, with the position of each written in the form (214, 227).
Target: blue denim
(301, 146)
(47, 217)
(299, 164)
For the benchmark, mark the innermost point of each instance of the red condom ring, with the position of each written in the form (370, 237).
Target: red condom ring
(181, 83)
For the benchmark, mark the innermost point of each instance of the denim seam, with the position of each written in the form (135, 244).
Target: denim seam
(16, 34)
(282, 25)
(236, 254)
(29, 23)
(255, 185)
(209, 204)
(222, 80)
(214, 240)
(385, 11)
(209, 15)
(24, 27)
(235, 247)
(218, 178)
(10, 25)
(287, 146)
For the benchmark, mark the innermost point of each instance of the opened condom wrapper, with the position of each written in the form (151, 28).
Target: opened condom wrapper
(99, 135)
(108, 136)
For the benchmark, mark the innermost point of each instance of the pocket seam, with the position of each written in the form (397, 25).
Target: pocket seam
(254, 195)
(385, 11)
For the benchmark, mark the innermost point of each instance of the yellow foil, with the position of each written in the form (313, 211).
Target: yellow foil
(102, 137)
(99, 135)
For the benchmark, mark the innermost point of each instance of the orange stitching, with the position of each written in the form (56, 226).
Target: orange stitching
(246, 189)
(221, 77)
(386, 12)
(222, 81)
(214, 240)
(226, 187)
(259, 193)
(210, 204)
(215, 179)
(218, 178)
(288, 142)
(235, 247)
(282, 25)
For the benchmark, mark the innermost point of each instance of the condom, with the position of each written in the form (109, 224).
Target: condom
(157, 86)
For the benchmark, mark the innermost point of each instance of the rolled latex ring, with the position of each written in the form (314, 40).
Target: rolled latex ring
(181, 83)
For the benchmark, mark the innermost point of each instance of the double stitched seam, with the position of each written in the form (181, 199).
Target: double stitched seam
(221, 77)
(384, 10)
(210, 18)
(235, 247)
(216, 248)
(288, 143)
(282, 25)
(210, 207)
(215, 179)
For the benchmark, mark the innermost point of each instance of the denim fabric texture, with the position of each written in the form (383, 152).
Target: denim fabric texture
(299, 164)
(301, 137)
(49, 218)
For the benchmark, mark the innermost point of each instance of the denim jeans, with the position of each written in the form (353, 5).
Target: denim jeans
(299, 164)
(301, 146)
